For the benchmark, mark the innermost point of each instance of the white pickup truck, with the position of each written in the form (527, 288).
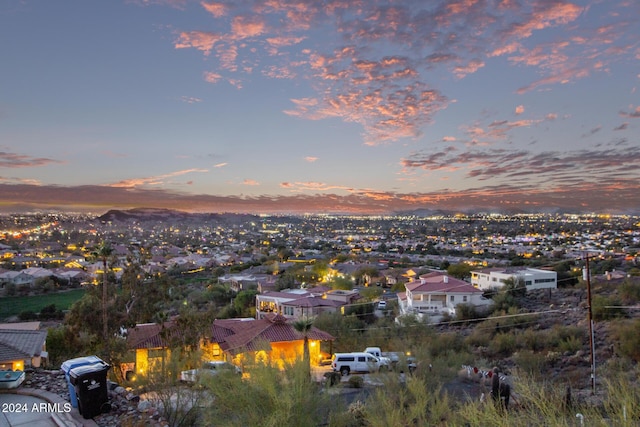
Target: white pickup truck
(382, 357)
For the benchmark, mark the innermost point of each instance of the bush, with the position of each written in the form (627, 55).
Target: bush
(504, 343)
(602, 308)
(467, 312)
(570, 345)
(28, 315)
(628, 339)
(356, 381)
(530, 362)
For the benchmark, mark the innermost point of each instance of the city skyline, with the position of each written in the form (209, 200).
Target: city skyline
(334, 106)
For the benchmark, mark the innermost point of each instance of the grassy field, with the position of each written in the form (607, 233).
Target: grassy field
(12, 306)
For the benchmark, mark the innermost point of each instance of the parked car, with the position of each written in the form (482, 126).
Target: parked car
(346, 363)
(212, 367)
(382, 305)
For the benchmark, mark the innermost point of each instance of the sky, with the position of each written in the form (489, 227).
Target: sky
(333, 106)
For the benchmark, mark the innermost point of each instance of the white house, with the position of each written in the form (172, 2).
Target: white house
(271, 301)
(436, 293)
(533, 278)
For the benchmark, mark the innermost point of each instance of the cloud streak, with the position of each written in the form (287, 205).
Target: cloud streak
(153, 180)
(14, 160)
(609, 196)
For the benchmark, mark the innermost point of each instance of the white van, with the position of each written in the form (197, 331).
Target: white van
(346, 363)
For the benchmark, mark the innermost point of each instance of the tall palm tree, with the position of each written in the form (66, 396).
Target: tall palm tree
(304, 325)
(103, 252)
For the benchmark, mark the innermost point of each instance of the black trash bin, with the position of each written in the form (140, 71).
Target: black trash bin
(90, 383)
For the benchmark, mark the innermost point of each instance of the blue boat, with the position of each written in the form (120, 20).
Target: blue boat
(11, 379)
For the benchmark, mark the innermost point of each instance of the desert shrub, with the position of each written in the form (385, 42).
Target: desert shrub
(356, 381)
(467, 312)
(530, 362)
(443, 343)
(623, 400)
(479, 337)
(504, 343)
(606, 308)
(270, 397)
(537, 404)
(570, 344)
(534, 340)
(415, 404)
(629, 292)
(561, 333)
(627, 338)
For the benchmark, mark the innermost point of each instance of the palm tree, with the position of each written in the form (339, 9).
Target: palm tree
(103, 252)
(304, 325)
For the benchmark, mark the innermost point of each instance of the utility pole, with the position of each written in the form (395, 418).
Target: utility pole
(587, 277)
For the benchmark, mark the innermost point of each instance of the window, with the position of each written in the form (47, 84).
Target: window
(452, 298)
(288, 311)
(464, 298)
(362, 359)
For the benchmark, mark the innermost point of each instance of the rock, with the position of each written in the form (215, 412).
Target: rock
(144, 406)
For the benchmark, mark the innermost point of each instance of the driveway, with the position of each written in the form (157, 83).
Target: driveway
(24, 407)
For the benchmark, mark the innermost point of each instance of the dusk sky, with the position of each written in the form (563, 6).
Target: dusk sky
(292, 106)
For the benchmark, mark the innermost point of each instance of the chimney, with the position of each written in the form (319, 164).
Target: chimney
(446, 279)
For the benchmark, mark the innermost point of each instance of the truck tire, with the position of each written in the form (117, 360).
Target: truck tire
(345, 371)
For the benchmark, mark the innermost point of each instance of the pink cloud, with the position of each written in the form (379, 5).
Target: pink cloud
(153, 180)
(244, 26)
(212, 77)
(633, 114)
(519, 110)
(251, 182)
(218, 10)
(190, 99)
(545, 14)
(311, 159)
(200, 40)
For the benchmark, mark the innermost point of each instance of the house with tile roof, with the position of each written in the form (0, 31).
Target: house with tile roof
(272, 339)
(437, 293)
(241, 341)
(22, 345)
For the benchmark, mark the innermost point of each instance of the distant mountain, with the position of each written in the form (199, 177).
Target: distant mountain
(167, 215)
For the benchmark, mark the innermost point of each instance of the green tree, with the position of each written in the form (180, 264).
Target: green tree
(460, 271)
(341, 283)
(245, 301)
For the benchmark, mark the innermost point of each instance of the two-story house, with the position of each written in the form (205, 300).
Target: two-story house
(437, 293)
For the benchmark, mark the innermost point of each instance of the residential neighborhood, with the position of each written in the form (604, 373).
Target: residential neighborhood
(250, 291)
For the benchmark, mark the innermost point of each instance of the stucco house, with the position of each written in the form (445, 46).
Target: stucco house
(272, 339)
(437, 293)
(245, 341)
(533, 278)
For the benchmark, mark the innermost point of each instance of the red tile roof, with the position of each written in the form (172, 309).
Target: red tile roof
(437, 283)
(239, 335)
